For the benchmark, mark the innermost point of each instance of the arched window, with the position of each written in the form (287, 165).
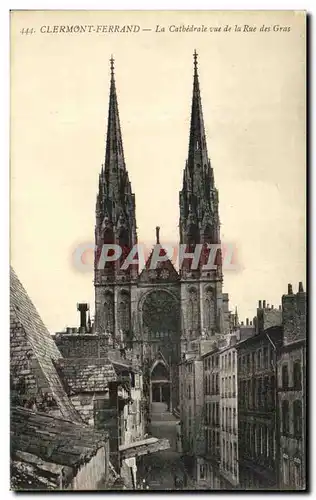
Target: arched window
(209, 309)
(285, 376)
(297, 410)
(193, 310)
(285, 417)
(124, 312)
(109, 312)
(297, 375)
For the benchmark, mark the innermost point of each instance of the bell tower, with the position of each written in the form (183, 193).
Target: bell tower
(199, 226)
(115, 225)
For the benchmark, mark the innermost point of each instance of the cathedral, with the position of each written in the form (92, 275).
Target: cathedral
(157, 314)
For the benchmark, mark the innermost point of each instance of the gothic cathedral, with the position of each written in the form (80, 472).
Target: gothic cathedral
(158, 313)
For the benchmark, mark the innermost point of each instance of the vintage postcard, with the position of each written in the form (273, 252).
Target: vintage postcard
(158, 262)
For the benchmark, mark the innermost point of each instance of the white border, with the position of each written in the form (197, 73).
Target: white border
(5, 6)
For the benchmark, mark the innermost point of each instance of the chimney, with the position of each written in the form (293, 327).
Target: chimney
(247, 321)
(272, 307)
(250, 323)
(300, 287)
(242, 323)
(289, 289)
(264, 304)
(259, 304)
(68, 329)
(280, 307)
(83, 308)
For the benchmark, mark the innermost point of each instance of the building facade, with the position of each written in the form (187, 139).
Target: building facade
(229, 413)
(291, 383)
(257, 409)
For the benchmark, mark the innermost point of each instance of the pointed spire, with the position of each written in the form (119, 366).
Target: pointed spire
(114, 156)
(197, 141)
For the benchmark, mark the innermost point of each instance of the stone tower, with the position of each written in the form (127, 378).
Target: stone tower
(204, 309)
(115, 224)
(158, 312)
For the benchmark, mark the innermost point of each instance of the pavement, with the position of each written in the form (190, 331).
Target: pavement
(163, 469)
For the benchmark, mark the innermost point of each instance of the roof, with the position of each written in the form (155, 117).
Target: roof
(86, 374)
(42, 447)
(143, 447)
(25, 318)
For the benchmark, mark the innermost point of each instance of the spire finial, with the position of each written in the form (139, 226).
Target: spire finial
(195, 56)
(112, 65)
(157, 235)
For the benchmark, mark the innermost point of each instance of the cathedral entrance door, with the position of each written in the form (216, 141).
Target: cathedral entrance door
(156, 393)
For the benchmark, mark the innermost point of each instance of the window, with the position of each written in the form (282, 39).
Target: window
(285, 417)
(229, 360)
(259, 359)
(286, 471)
(234, 386)
(297, 410)
(265, 357)
(297, 375)
(202, 471)
(297, 474)
(285, 377)
(217, 361)
(217, 384)
(234, 359)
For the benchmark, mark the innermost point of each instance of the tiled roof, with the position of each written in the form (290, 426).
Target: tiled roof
(43, 446)
(26, 322)
(86, 374)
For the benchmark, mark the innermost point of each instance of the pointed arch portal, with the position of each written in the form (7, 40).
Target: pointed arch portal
(160, 383)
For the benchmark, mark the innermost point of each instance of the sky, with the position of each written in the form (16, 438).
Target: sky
(253, 96)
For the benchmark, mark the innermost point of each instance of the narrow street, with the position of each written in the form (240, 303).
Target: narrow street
(163, 470)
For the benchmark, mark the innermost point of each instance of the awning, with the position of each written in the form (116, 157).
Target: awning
(139, 448)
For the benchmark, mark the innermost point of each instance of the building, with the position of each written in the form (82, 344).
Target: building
(257, 409)
(34, 380)
(291, 383)
(51, 446)
(157, 311)
(50, 453)
(229, 413)
(209, 464)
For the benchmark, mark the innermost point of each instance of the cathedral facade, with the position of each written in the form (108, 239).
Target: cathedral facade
(158, 312)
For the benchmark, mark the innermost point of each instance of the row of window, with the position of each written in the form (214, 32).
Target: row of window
(257, 442)
(212, 414)
(211, 362)
(297, 376)
(262, 358)
(257, 393)
(229, 457)
(292, 473)
(229, 419)
(212, 442)
(228, 361)
(228, 388)
(211, 384)
(292, 413)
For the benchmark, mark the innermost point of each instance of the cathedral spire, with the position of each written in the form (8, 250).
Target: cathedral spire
(198, 197)
(114, 155)
(198, 157)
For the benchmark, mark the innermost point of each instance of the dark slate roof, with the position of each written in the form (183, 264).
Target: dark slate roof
(42, 447)
(86, 374)
(41, 344)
